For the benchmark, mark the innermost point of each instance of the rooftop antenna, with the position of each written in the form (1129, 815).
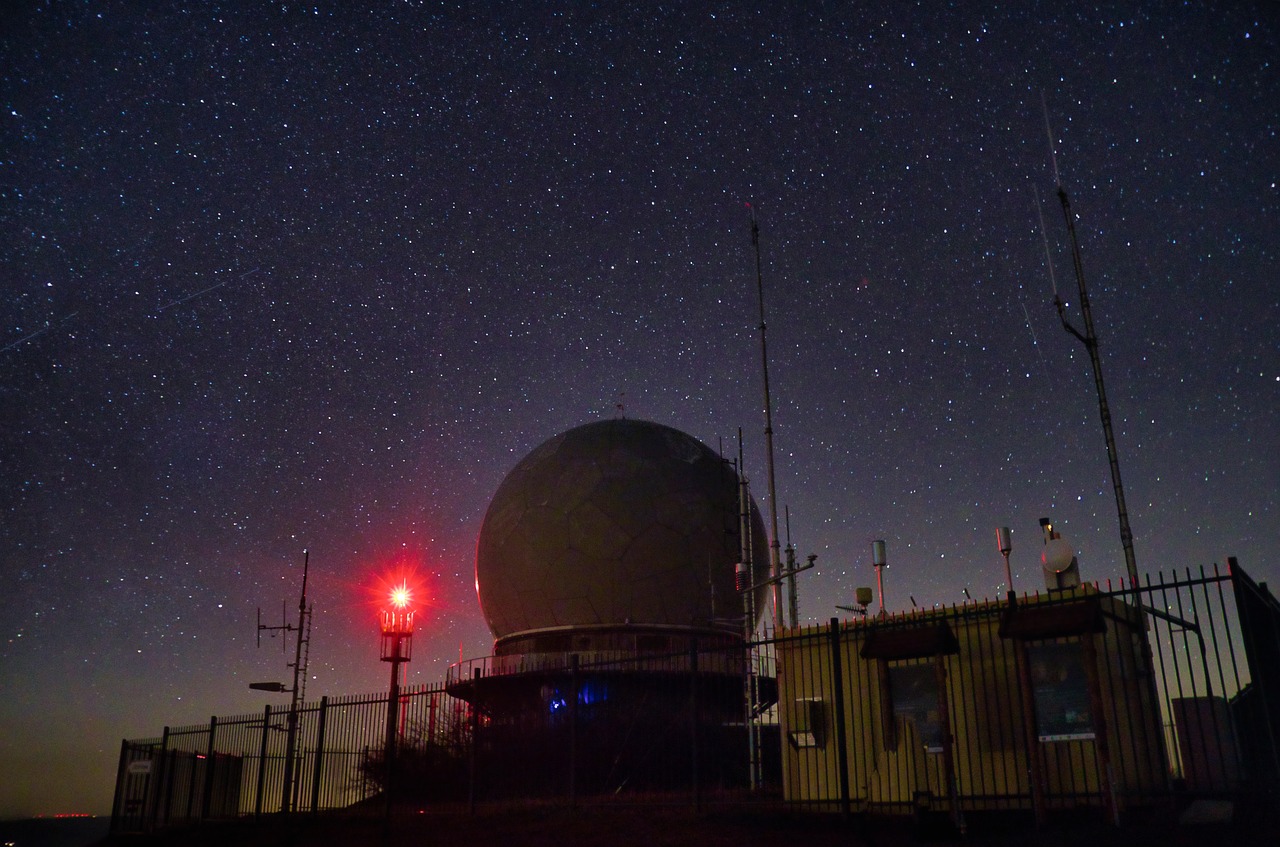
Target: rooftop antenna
(745, 573)
(793, 602)
(775, 564)
(303, 630)
(744, 577)
(1089, 338)
(862, 596)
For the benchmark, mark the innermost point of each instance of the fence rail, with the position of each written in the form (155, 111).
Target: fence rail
(1111, 698)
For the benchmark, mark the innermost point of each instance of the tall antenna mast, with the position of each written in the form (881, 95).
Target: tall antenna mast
(1090, 340)
(292, 740)
(303, 632)
(745, 578)
(793, 601)
(746, 573)
(775, 565)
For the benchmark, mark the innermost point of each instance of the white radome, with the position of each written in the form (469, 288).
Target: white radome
(615, 523)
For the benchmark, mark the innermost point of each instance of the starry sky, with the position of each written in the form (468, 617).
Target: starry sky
(277, 277)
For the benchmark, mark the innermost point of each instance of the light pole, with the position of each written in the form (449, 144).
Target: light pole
(396, 624)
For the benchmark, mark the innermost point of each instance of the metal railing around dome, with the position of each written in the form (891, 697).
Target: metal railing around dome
(730, 662)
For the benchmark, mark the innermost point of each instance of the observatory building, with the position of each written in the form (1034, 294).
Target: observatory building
(607, 570)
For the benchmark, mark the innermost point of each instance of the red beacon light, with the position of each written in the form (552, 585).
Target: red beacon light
(396, 623)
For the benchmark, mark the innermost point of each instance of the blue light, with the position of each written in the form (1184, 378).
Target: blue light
(588, 694)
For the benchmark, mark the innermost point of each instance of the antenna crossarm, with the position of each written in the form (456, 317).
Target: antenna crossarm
(782, 576)
(1066, 324)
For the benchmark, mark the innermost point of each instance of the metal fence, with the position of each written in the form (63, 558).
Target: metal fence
(1118, 699)
(1106, 698)
(236, 766)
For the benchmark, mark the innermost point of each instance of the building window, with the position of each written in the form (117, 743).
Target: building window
(913, 690)
(1061, 691)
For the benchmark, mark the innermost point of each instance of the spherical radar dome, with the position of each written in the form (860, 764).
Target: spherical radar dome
(615, 524)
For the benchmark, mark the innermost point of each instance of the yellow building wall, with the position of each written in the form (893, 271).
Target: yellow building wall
(987, 720)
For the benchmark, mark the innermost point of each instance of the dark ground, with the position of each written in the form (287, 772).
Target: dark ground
(649, 827)
(53, 832)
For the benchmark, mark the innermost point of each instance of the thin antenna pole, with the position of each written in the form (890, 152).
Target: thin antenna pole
(775, 565)
(302, 620)
(793, 601)
(1090, 340)
(748, 588)
(746, 544)
(286, 801)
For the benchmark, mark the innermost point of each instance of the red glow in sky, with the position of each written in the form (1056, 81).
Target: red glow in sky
(401, 596)
(401, 586)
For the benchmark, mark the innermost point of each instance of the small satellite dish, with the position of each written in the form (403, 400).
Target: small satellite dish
(1061, 570)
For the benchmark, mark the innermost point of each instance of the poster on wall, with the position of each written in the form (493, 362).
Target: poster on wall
(914, 691)
(1061, 691)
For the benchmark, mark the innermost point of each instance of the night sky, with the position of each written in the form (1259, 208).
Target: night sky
(299, 277)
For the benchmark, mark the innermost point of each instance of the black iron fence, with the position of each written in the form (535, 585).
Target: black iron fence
(1107, 698)
(236, 766)
(1113, 698)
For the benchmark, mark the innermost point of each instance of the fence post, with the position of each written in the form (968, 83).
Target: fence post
(693, 726)
(319, 766)
(193, 787)
(122, 771)
(1101, 739)
(948, 741)
(161, 780)
(262, 761)
(207, 800)
(1034, 771)
(837, 696)
(475, 747)
(573, 731)
(1258, 659)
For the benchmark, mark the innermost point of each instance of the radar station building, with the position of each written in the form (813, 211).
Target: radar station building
(605, 568)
